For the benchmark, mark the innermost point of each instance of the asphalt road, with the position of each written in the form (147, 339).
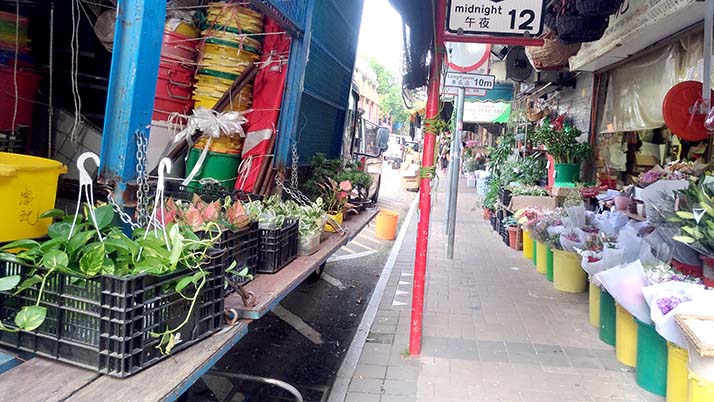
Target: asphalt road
(304, 340)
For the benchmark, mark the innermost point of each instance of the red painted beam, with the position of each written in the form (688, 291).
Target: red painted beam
(502, 40)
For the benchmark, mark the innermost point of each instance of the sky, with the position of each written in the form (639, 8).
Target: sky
(381, 34)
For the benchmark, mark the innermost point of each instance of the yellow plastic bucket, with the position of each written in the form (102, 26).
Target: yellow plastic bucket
(541, 260)
(677, 373)
(28, 186)
(568, 276)
(330, 226)
(625, 337)
(700, 390)
(387, 224)
(527, 245)
(594, 306)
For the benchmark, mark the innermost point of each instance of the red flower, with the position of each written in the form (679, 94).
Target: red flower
(346, 185)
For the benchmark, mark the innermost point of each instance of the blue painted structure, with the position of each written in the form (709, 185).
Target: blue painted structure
(132, 85)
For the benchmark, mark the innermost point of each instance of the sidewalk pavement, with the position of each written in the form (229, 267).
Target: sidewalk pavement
(494, 329)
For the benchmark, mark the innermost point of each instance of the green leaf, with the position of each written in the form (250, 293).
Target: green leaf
(108, 267)
(92, 260)
(28, 283)
(52, 244)
(684, 239)
(53, 213)
(78, 241)
(54, 259)
(104, 215)
(59, 230)
(232, 267)
(149, 265)
(685, 215)
(29, 318)
(21, 244)
(194, 279)
(9, 282)
(11, 258)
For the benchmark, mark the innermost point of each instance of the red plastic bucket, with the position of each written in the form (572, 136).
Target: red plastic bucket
(708, 270)
(687, 269)
(163, 107)
(176, 72)
(27, 83)
(179, 48)
(169, 89)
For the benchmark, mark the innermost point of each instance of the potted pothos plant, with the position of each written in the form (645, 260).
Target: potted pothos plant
(561, 141)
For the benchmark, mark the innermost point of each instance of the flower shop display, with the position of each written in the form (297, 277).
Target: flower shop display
(563, 145)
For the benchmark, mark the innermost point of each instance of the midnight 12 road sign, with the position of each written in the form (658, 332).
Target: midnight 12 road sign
(495, 17)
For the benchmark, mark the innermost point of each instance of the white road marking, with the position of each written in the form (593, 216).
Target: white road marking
(356, 243)
(351, 256)
(299, 325)
(347, 249)
(398, 303)
(404, 283)
(371, 239)
(401, 292)
(333, 281)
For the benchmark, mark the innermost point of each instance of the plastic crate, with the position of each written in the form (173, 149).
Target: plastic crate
(103, 323)
(12, 143)
(242, 247)
(208, 193)
(278, 247)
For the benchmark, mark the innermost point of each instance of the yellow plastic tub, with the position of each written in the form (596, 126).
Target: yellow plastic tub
(332, 225)
(387, 224)
(677, 373)
(700, 390)
(527, 245)
(625, 337)
(594, 306)
(28, 186)
(541, 260)
(568, 276)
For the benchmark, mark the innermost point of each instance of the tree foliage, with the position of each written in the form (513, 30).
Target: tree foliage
(389, 89)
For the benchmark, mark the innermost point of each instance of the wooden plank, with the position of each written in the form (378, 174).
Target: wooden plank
(167, 380)
(269, 290)
(44, 380)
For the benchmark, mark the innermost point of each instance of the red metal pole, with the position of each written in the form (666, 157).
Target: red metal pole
(432, 110)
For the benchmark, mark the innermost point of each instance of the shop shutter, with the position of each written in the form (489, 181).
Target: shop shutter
(328, 77)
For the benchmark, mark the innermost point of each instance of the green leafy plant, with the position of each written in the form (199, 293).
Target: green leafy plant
(694, 216)
(321, 169)
(88, 251)
(359, 179)
(491, 197)
(562, 144)
(526, 190)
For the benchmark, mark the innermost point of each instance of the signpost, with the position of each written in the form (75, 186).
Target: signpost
(476, 81)
(495, 17)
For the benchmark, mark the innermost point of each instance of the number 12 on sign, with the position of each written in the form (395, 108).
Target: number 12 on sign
(495, 17)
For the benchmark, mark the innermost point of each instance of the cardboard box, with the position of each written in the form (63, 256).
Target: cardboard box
(521, 202)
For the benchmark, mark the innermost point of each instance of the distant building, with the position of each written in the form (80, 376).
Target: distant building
(365, 79)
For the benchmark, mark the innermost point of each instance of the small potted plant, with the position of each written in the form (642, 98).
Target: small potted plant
(562, 143)
(514, 232)
(335, 198)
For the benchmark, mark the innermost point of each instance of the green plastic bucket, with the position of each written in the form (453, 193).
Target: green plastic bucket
(218, 166)
(651, 373)
(549, 264)
(535, 252)
(567, 172)
(607, 319)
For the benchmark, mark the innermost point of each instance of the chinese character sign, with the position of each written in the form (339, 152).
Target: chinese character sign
(496, 17)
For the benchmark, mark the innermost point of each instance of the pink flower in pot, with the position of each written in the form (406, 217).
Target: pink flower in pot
(622, 202)
(346, 185)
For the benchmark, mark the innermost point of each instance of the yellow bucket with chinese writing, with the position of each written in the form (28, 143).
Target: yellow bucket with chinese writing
(28, 186)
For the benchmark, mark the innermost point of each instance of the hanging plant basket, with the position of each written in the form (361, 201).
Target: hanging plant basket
(597, 8)
(553, 55)
(578, 28)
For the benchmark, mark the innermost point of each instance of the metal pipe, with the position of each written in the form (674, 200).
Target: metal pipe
(707, 73)
(422, 242)
(454, 179)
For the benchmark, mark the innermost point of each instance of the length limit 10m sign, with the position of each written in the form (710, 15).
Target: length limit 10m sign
(495, 17)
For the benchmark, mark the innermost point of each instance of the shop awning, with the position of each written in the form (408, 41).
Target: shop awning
(500, 93)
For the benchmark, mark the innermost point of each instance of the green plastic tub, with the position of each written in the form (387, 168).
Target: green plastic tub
(549, 264)
(535, 252)
(651, 373)
(567, 173)
(608, 319)
(218, 166)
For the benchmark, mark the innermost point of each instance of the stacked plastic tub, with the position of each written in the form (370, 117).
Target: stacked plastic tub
(176, 70)
(225, 51)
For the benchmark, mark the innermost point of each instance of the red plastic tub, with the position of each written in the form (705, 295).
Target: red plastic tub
(687, 269)
(174, 90)
(163, 107)
(179, 48)
(179, 73)
(27, 83)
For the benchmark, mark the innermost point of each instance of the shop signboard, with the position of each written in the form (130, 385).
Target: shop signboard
(476, 81)
(637, 25)
(487, 112)
(495, 17)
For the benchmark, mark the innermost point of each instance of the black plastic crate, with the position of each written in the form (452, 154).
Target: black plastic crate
(242, 247)
(208, 192)
(12, 143)
(278, 247)
(103, 323)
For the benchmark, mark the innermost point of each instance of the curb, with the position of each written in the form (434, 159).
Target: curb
(338, 393)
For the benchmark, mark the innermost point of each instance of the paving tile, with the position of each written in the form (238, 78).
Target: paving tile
(397, 387)
(521, 353)
(370, 371)
(366, 385)
(551, 355)
(450, 348)
(492, 351)
(362, 397)
(403, 373)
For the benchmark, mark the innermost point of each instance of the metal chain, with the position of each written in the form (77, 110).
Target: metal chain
(119, 211)
(142, 182)
(293, 191)
(294, 169)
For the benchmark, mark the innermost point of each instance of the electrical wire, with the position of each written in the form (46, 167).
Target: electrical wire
(74, 68)
(50, 106)
(14, 70)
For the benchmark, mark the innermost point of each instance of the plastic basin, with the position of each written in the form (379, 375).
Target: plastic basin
(568, 276)
(677, 373)
(386, 226)
(217, 166)
(567, 172)
(541, 257)
(651, 373)
(607, 318)
(29, 187)
(626, 337)
(594, 305)
(527, 245)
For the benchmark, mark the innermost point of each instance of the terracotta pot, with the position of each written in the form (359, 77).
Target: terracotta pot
(486, 214)
(514, 237)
